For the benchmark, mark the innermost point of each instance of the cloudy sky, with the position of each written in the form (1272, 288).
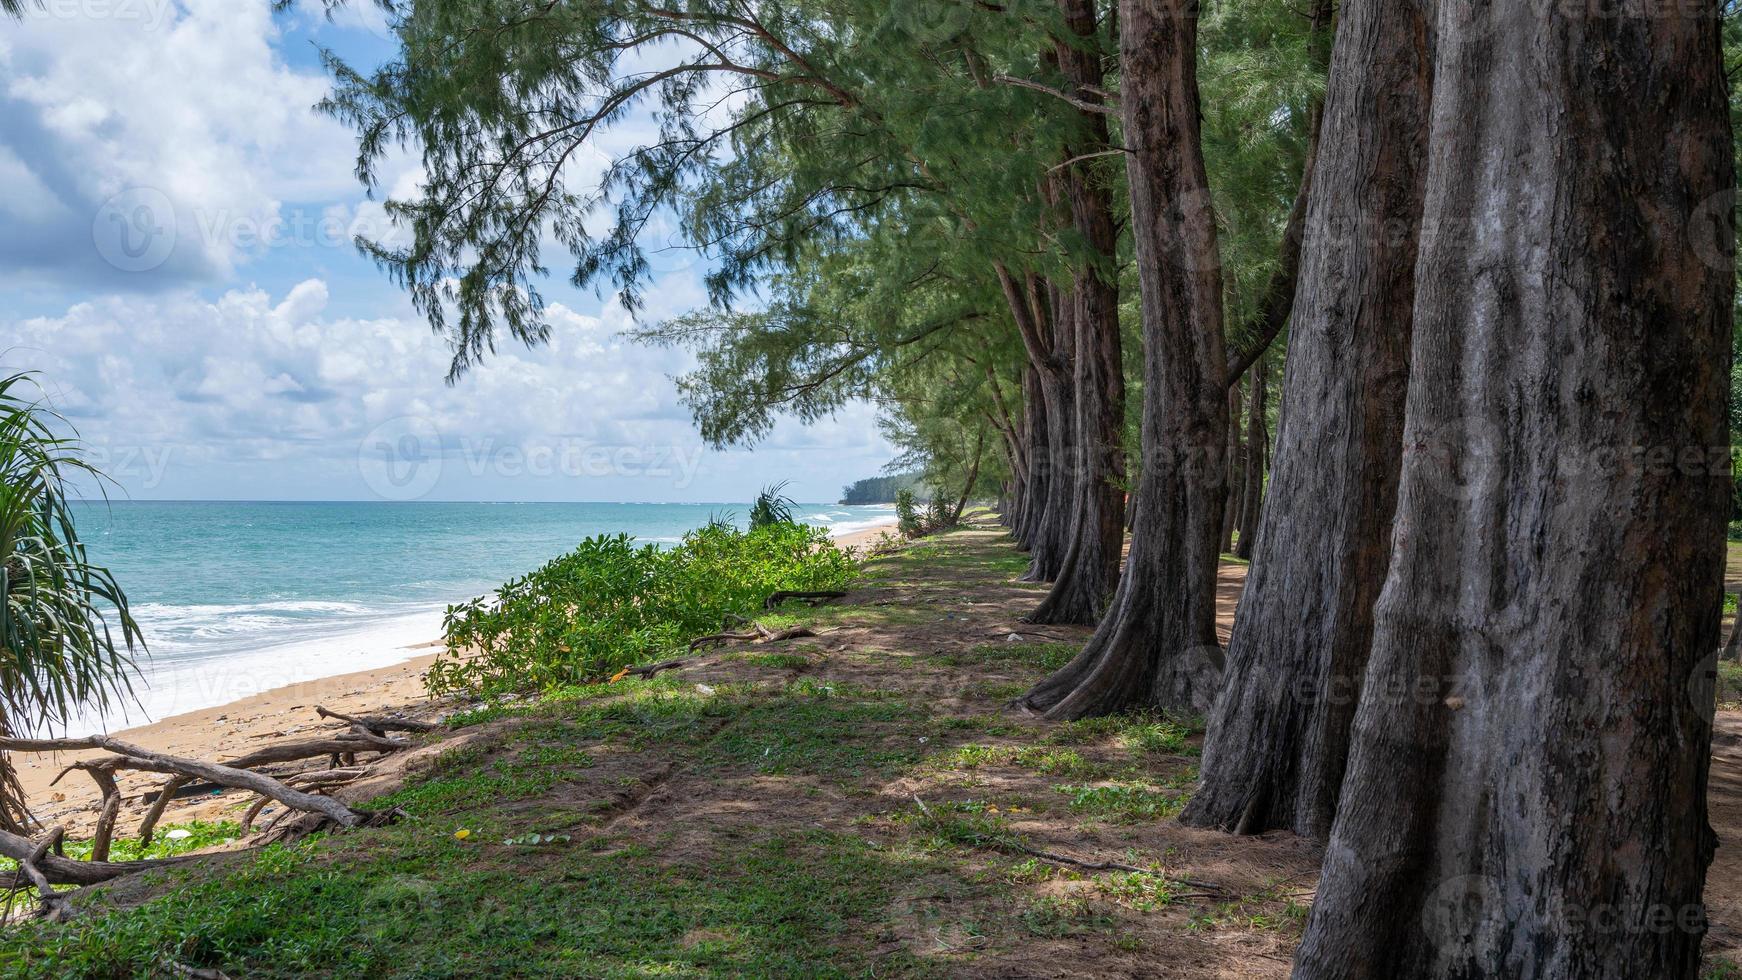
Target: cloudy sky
(176, 261)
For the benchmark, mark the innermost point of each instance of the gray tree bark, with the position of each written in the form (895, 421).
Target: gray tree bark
(1089, 570)
(1526, 789)
(1052, 539)
(1235, 471)
(1157, 644)
(1278, 739)
(1257, 458)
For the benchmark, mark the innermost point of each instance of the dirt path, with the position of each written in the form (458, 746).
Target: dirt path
(860, 803)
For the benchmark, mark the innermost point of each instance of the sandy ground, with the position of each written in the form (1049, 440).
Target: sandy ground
(234, 729)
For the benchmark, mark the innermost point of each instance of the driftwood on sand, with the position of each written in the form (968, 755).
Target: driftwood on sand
(305, 793)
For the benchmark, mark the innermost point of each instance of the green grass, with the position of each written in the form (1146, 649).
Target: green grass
(469, 778)
(1042, 759)
(166, 842)
(1729, 683)
(1041, 657)
(824, 730)
(574, 863)
(1143, 734)
(778, 661)
(408, 901)
(1123, 802)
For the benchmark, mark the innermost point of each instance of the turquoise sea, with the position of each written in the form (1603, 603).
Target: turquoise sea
(239, 597)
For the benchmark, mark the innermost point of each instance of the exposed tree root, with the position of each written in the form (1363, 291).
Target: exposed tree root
(759, 634)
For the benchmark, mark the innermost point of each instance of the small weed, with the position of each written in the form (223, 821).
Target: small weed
(1139, 891)
(1042, 657)
(1053, 916)
(779, 661)
(1123, 802)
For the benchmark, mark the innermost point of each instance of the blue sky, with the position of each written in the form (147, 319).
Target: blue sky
(176, 260)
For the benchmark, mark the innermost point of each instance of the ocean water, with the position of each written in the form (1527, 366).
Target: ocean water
(236, 598)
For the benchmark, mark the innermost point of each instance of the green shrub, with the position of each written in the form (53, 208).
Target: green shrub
(611, 603)
(907, 515)
(772, 506)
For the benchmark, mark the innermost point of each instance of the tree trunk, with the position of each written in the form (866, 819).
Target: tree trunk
(1058, 390)
(1039, 453)
(973, 475)
(1279, 737)
(1234, 472)
(1526, 787)
(1090, 570)
(1257, 456)
(1157, 644)
(1733, 646)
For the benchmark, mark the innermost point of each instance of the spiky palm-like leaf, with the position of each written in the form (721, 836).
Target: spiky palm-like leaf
(66, 636)
(772, 507)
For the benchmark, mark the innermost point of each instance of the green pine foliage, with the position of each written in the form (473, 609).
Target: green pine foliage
(612, 602)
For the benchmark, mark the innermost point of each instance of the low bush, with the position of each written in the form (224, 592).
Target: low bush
(611, 603)
(907, 515)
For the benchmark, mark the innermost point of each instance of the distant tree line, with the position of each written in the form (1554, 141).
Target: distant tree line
(878, 489)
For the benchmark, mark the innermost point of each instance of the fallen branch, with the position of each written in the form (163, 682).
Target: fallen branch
(762, 635)
(1010, 844)
(137, 758)
(51, 903)
(65, 871)
(774, 601)
(309, 749)
(381, 742)
(381, 724)
(105, 780)
(649, 670)
(166, 793)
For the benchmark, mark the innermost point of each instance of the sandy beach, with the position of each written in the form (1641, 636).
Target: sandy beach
(238, 727)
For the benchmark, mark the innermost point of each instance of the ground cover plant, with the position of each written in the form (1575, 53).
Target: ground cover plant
(612, 603)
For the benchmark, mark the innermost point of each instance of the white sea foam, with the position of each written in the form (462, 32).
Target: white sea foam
(844, 528)
(172, 685)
